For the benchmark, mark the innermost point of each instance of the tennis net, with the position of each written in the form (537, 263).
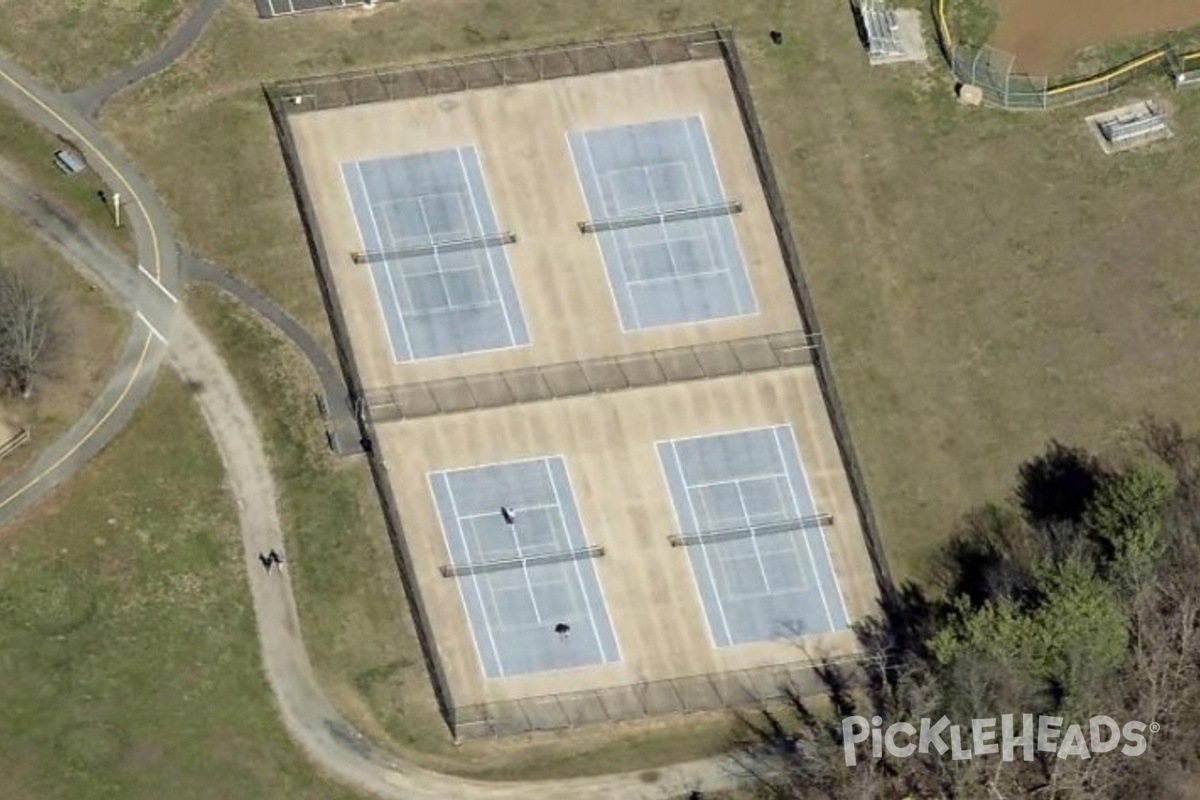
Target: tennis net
(766, 529)
(448, 245)
(660, 217)
(476, 567)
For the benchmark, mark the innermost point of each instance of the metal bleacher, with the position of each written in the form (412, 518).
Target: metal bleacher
(1124, 129)
(882, 28)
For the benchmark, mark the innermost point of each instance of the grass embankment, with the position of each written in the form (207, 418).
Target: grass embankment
(71, 43)
(356, 619)
(986, 281)
(127, 640)
(30, 150)
(91, 332)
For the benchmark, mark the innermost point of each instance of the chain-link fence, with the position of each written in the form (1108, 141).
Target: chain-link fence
(575, 378)
(685, 694)
(991, 70)
(736, 688)
(1184, 68)
(506, 69)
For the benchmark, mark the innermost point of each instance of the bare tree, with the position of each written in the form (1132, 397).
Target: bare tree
(29, 329)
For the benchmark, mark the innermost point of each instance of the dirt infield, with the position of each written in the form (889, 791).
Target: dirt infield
(1045, 37)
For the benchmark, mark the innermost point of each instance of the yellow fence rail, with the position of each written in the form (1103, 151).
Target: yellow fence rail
(1109, 75)
(1003, 88)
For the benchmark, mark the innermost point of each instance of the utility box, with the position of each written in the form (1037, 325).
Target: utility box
(69, 162)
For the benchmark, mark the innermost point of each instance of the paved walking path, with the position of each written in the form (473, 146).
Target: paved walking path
(89, 99)
(147, 292)
(327, 737)
(344, 433)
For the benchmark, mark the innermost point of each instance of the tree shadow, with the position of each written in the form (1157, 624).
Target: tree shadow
(1057, 486)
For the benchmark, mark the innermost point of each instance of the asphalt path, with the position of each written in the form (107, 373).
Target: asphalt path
(89, 99)
(148, 290)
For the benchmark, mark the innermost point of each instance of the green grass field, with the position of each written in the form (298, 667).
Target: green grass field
(30, 150)
(986, 281)
(356, 619)
(92, 332)
(70, 43)
(127, 640)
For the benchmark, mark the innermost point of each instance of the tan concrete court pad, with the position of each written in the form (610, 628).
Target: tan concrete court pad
(608, 444)
(520, 134)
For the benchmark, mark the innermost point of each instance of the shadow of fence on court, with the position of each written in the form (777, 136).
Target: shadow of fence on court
(732, 689)
(991, 70)
(506, 69)
(591, 376)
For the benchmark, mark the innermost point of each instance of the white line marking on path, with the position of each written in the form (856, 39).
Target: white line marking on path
(157, 283)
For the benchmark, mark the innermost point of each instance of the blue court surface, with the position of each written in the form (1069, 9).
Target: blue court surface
(663, 224)
(753, 536)
(523, 567)
(436, 254)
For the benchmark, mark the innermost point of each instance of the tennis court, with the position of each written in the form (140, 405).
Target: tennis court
(523, 566)
(433, 246)
(753, 535)
(663, 223)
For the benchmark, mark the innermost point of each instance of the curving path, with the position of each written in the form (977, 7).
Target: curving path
(89, 99)
(326, 736)
(148, 291)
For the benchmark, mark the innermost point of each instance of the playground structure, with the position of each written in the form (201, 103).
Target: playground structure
(991, 71)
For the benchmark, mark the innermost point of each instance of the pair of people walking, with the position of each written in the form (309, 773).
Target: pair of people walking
(270, 559)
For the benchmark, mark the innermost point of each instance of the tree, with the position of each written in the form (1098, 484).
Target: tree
(1126, 515)
(1081, 597)
(29, 329)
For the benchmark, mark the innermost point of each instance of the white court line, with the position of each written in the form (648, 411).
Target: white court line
(796, 506)
(386, 266)
(661, 227)
(762, 568)
(437, 257)
(487, 251)
(712, 161)
(450, 309)
(536, 507)
(708, 226)
(748, 477)
(675, 512)
(158, 283)
(509, 271)
(437, 507)
(362, 236)
(703, 547)
(537, 612)
(711, 223)
(620, 265)
(720, 434)
(837, 589)
(153, 329)
(494, 464)
(587, 601)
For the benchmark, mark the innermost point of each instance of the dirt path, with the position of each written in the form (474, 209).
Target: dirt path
(1046, 36)
(330, 741)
